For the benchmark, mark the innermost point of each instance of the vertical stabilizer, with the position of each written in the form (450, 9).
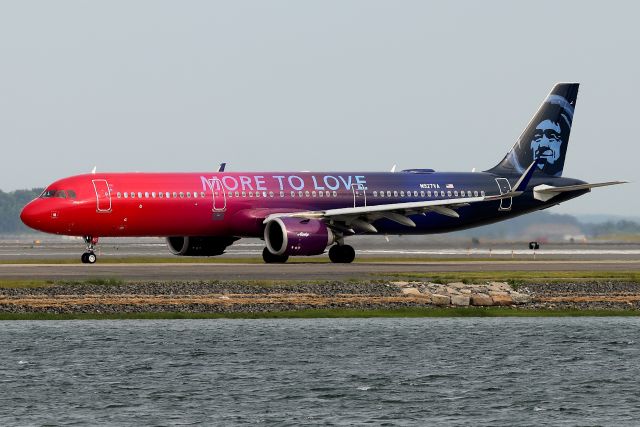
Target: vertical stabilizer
(546, 136)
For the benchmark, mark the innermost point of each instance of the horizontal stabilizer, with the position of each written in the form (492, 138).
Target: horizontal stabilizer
(545, 192)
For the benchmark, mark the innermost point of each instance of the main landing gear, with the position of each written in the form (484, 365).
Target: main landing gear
(89, 257)
(342, 254)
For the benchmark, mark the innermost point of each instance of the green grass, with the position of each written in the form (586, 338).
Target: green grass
(332, 313)
(516, 277)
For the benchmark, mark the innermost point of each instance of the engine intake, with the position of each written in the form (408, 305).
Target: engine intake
(296, 236)
(199, 246)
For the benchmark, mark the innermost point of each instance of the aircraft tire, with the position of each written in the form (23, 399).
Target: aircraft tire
(534, 245)
(91, 258)
(342, 254)
(270, 258)
(83, 258)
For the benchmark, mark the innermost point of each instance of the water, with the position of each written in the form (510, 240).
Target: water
(556, 371)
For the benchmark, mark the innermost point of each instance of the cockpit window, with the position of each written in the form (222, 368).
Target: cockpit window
(61, 194)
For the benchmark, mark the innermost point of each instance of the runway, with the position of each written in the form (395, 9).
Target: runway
(292, 271)
(379, 259)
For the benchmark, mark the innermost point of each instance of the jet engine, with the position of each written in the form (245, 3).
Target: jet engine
(297, 236)
(199, 245)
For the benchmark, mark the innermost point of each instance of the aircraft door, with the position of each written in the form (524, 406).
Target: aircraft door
(359, 195)
(103, 195)
(505, 187)
(219, 195)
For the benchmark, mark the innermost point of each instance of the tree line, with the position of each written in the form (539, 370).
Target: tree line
(10, 206)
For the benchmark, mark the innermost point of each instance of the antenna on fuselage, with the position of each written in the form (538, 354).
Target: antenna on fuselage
(221, 167)
(473, 170)
(93, 170)
(393, 168)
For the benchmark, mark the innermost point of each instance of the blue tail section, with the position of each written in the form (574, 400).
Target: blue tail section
(546, 137)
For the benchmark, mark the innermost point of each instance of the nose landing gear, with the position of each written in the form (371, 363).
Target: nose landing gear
(89, 257)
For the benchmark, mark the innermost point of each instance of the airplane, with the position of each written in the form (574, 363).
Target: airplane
(303, 214)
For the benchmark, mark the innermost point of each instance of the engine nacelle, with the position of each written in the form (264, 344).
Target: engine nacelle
(297, 236)
(199, 246)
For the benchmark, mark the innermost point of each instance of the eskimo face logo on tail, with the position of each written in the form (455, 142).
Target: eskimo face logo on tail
(546, 138)
(546, 143)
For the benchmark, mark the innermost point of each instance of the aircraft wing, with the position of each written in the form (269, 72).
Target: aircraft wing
(362, 217)
(545, 192)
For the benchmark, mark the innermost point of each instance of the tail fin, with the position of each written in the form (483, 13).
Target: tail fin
(546, 136)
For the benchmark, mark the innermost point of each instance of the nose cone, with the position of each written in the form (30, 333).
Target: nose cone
(32, 215)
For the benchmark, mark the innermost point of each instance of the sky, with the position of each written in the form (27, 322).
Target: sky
(313, 85)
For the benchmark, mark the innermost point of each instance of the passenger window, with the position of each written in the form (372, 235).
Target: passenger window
(202, 194)
(195, 194)
(133, 195)
(300, 193)
(306, 193)
(395, 194)
(313, 194)
(382, 194)
(257, 194)
(161, 194)
(270, 193)
(126, 195)
(429, 193)
(188, 194)
(422, 194)
(118, 194)
(282, 194)
(335, 194)
(320, 193)
(455, 193)
(448, 193)
(415, 193)
(146, 194)
(402, 194)
(237, 194)
(293, 194)
(442, 194)
(482, 193)
(153, 194)
(167, 195)
(388, 193)
(244, 194)
(175, 195)
(230, 195)
(475, 194)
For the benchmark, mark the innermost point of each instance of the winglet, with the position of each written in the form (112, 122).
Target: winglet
(523, 181)
(221, 167)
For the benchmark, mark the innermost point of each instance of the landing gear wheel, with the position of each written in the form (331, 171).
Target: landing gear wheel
(88, 258)
(270, 258)
(342, 254)
(534, 245)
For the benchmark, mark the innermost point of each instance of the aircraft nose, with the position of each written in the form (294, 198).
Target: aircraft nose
(31, 215)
